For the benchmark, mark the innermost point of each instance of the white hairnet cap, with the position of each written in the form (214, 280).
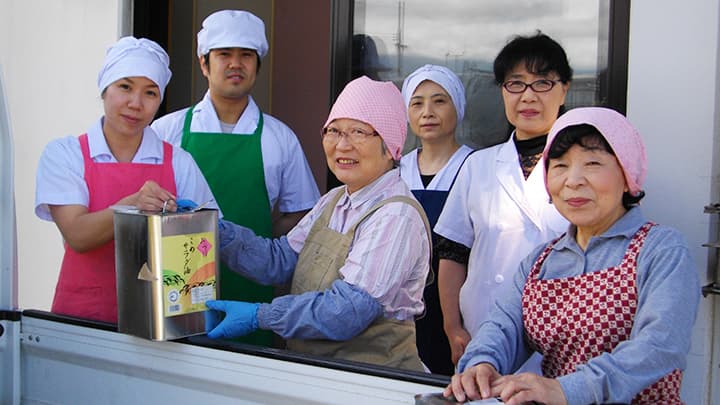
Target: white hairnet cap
(445, 78)
(232, 29)
(130, 57)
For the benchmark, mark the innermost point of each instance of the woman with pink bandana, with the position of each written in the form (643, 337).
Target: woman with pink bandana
(358, 261)
(610, 304)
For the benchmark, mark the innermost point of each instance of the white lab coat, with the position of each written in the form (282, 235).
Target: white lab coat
(501, 216)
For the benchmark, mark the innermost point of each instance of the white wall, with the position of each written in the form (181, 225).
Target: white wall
(673, 77)
(50, 52)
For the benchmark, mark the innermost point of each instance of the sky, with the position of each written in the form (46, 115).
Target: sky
(461, 33)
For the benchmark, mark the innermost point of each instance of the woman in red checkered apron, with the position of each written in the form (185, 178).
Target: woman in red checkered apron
(610, 304)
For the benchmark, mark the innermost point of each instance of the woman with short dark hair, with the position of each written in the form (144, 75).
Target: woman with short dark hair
(497, 210)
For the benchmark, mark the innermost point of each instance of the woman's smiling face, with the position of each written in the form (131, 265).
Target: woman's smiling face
(532, 113)
(586, 185)
(130, 105)
(359, 163)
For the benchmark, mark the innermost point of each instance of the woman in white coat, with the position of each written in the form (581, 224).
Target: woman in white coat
(498, 209)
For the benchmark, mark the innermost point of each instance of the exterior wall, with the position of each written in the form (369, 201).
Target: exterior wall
(672, 99)
(50, 52)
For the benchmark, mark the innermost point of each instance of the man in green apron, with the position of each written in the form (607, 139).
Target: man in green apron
(252, 161)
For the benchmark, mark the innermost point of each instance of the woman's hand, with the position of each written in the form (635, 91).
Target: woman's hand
(525, 388)
(152, 197)
(475, 383)
(459, 339)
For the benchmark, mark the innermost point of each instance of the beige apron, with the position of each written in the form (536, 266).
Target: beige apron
(386, 342)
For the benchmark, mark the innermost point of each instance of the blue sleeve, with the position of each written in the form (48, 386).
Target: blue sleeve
(265, 261)
(339, 313)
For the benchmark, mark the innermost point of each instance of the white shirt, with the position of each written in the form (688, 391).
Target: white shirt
(288, 179)
(501, 216)
(60, 178)
(443, 179)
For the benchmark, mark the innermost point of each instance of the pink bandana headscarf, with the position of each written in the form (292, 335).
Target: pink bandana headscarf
(378, 104)
(623, 138)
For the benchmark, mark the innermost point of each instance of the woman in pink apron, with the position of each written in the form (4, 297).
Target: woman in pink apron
(610, 304)
(119, 161)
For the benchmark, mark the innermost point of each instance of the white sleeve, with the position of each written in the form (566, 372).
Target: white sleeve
(169, 127)
(298, 189)
(189, 180)
(60, 178)
(455, 222)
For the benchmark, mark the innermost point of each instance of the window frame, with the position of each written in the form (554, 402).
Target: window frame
(612, 82)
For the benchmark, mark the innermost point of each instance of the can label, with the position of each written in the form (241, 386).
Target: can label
(189, 269)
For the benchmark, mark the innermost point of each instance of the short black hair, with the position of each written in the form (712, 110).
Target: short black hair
(588, 137)
(540, 53)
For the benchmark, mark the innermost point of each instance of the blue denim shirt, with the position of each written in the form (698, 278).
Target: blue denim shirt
(668, 297)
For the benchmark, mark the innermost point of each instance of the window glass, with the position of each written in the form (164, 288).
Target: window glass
(393, 38)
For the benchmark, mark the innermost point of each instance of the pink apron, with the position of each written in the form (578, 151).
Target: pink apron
(86, 285)
(571, 320)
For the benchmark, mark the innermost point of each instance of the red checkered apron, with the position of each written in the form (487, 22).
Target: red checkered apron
(571, 320)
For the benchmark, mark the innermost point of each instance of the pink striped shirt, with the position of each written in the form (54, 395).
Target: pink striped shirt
(390, 254)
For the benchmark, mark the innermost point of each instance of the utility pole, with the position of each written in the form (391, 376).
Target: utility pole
(399, 36)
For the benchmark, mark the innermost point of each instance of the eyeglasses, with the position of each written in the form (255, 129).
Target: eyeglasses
(355, 136)
(538, 86)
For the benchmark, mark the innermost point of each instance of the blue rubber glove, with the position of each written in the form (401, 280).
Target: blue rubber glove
(240, 318)
(185, 205)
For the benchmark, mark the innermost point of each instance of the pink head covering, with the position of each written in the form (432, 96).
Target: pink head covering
(378, 104)
(623, 138)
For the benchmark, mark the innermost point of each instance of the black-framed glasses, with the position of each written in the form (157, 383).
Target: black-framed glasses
(538, 86)
(355, 136)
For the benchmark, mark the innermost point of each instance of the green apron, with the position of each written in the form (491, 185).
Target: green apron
(233, 167)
